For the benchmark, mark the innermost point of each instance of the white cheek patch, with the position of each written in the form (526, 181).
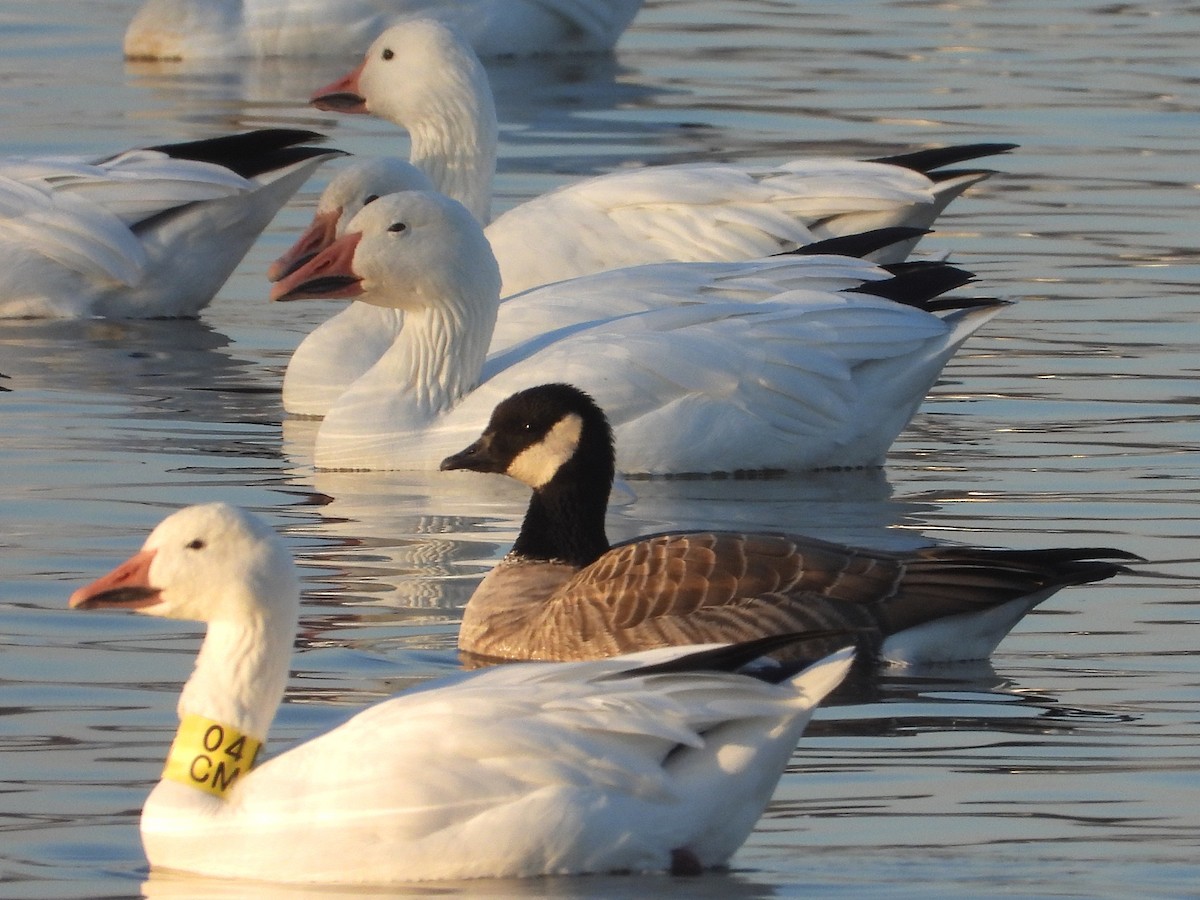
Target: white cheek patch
(537, 464)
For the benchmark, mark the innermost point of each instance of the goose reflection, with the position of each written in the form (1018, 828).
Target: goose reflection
(719, 885)
(404, 545)
(159, 367)
(407, 549)
(558, 96)
(933, 704)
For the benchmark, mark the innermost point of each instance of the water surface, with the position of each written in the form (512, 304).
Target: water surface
(1065, 767)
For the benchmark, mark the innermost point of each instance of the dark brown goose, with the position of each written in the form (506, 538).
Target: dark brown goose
(563, 592)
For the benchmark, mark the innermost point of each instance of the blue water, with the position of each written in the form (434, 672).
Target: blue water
(1065, 768)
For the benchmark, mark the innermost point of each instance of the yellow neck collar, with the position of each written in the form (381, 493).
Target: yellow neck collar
(210, 756)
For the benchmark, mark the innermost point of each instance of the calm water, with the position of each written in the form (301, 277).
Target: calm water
(1065, 768)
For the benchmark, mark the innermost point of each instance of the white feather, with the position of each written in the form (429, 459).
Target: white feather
(136, 235)
(701, 367)
(433, 87)
(521, 770)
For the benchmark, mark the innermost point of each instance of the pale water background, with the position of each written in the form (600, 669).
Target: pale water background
(1066, 768)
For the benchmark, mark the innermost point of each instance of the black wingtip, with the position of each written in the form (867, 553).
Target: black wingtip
(738, 657)
(925, 161)
(1030, 570)
(251, 153)
(920, 284)
(861, 244)
(1084, 565)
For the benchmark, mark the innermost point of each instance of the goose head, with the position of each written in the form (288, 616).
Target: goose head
(555, 439)
(413, 73)
(206, 563)
(219, 565)
(347, 193)
(424, 76)
(548, 433)
(413, 251)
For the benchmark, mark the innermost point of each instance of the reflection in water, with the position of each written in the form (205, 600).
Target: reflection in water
(716, 885)
(190, 86)
(133, 389)
(128, 357)
(1066, 767)
(853, 506)
(948, 698)
(390, 549)
(383, 547)
(553, 94)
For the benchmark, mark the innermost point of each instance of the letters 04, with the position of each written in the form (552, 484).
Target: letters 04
(210, 756)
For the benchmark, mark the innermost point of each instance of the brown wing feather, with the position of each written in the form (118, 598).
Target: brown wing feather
(712, 586)
(703, 587)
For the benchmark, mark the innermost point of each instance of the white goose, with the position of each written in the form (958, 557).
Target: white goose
(576, 236)
(199, 29)
(775, 364)
(424, 77)
(342, 349)
(148, 233)
(645, 763)
(563, 592)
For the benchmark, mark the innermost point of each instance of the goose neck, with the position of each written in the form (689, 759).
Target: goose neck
(458, 153)
(440, 353)
(240, 674)
(565, 524)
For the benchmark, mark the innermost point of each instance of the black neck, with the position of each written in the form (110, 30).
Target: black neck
(565, 520)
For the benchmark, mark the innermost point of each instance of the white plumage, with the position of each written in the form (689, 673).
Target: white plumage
(517, 771)
(696, 212)
(689, 213)
(433, 85)
(147, 233)
(702, 366)
(424, 77)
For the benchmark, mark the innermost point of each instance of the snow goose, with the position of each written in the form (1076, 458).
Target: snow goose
(696, 223)
(642, 763)
(687, 212)
(425, 78)
(200, 29)
(783, 363)
(563, 593)
(148, 233)
(343, 348)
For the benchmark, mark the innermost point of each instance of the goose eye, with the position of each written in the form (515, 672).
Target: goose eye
(371, 199)
(196, 544)
(398, 227)
(387, 53)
